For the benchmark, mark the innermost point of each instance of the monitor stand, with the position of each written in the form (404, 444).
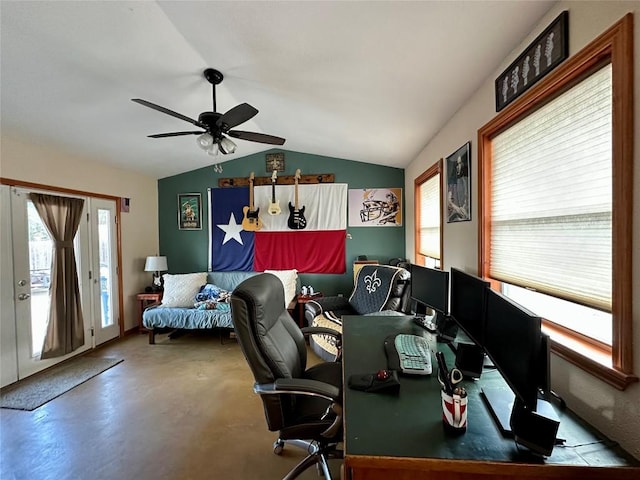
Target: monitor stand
(426, 321)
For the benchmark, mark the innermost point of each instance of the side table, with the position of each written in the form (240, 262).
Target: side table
(301, 300)
(144, 300)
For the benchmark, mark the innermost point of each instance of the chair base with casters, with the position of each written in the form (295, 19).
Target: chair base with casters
(304, 405)
(318, 455)
(319, 451)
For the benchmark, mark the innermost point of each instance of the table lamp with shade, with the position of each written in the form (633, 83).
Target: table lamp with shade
(156, 265)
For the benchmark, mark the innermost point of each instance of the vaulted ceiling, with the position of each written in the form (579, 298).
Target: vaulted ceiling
(360, 80)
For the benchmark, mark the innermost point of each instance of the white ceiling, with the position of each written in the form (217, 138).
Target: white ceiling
(360, 80)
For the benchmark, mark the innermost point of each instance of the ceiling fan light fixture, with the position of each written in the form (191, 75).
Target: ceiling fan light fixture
(227, 146)
(205, 141)
(213, 150)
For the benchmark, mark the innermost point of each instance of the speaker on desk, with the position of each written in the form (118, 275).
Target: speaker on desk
(533, 430)
(469, 359)
(447, 328)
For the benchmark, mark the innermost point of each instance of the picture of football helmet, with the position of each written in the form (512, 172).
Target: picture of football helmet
(381, 205)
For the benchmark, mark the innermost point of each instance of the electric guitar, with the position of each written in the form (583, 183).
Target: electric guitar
(251, 221)
(296, 216)
(274, 206)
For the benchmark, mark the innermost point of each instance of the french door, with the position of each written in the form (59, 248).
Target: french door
(96, 258)
(104, 272)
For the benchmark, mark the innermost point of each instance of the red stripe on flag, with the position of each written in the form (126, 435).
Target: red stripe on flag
(307, 251)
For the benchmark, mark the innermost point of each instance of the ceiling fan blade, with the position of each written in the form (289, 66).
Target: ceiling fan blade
(256, 137)
(167, 111)
(237, 115)
(174, 134)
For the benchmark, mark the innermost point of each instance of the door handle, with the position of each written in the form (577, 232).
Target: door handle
(23, 296)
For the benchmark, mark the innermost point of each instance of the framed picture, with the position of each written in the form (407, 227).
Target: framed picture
(189, 211)
(275, 161)
(375, 207)
(543, 55)
(458, 173)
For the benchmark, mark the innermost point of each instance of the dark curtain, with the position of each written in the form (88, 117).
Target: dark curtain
(65, 332)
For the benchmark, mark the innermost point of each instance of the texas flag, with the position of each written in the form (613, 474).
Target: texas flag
(318, 248)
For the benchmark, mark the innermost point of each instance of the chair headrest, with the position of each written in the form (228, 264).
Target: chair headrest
(263, 293)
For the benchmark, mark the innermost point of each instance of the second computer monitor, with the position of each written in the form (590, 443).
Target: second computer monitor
(513, 342)
(430, 287)
(468, 304)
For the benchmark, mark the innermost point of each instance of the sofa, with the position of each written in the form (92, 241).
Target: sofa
(201, 301)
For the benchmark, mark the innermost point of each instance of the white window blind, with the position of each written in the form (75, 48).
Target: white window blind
(430, 217)
(551, 197)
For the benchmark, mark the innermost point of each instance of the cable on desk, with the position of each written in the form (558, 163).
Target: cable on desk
(595, 442)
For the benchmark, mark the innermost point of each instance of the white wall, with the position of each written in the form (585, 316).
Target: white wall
(48, 165)
(615, 413)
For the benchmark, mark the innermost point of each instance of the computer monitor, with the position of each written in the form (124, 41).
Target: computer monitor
(468, 304)
(519, 350)
(430, 288)
(513, 342)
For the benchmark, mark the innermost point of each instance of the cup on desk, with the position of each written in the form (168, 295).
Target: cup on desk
(454, 410)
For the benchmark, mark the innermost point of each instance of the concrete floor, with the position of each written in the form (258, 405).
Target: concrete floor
(181, 409)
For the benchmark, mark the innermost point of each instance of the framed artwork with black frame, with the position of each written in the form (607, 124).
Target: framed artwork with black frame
(546, 52)
(190, 211)
(458, 174)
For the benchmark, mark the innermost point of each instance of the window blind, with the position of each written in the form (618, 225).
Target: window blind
(551, 197)
(430, 217)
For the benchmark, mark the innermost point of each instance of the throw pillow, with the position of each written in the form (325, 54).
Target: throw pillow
(289, 279)
(181, 289)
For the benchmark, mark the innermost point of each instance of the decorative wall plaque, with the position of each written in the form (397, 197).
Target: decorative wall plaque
(543, 55)
(275, 161)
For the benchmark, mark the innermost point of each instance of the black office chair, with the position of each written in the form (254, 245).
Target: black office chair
(304, 405)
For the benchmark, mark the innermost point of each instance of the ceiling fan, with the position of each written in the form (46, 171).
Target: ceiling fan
(217, 126)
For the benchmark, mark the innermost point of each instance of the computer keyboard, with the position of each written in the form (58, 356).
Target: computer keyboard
(409, 354)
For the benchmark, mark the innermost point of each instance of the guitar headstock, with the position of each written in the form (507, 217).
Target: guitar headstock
(274, 176)
(298, 174)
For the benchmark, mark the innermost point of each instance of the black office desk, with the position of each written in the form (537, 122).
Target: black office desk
(402, 436)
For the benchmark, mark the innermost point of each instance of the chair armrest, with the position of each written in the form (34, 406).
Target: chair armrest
(327, 331)
(332, 303)
(321, 330)
(303, 386)
(299, 386)
(339, 305)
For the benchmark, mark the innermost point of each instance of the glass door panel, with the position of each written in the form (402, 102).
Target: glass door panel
(103, 233)
(40, 248)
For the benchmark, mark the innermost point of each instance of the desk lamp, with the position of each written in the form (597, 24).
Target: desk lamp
(156, 265)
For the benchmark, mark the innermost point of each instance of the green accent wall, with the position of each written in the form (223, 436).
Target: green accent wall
(187, 250)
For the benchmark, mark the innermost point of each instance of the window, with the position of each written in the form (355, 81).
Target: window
(428, 237)
(556, 203)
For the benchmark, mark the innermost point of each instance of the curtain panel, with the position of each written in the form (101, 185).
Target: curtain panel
(65, 328)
